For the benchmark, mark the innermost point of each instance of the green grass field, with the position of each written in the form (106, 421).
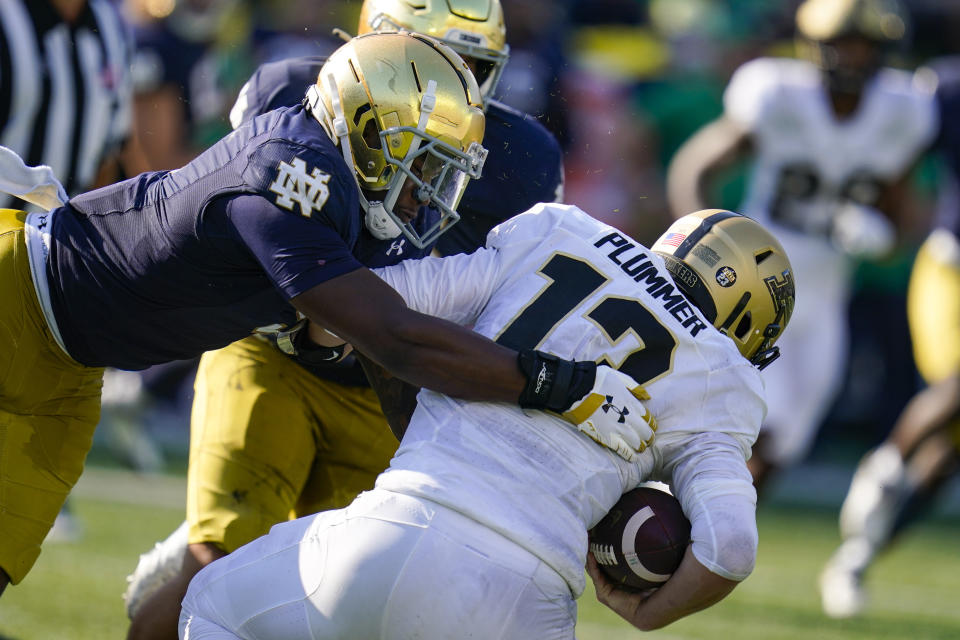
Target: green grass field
(74, 591)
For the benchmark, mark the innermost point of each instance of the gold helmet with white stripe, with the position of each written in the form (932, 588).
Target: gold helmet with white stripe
(473, 28)
(736, 273)
(402, 107)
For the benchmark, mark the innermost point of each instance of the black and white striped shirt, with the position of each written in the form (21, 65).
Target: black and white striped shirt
(65, 91)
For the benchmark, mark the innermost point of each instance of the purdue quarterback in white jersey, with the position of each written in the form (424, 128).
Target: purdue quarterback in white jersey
(481, 520)
(831, 140)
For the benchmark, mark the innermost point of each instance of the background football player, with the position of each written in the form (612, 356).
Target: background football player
(480, 522)
(897, 482)
(258, 228)
(299, 435)
(831, 140)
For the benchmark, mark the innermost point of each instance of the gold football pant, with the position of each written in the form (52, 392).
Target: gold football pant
(49, 408)
(933, 310)
(933, 307)
(270, 441)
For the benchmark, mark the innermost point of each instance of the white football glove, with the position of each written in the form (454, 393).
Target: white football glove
(613, 414)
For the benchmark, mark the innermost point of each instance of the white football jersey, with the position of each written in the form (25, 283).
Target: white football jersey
(807, 161)
(558, 280)
(809, 172)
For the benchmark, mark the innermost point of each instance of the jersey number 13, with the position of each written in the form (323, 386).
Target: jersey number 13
(571, 281)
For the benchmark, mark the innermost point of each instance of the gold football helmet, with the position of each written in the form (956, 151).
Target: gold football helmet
(878, 20)
(472, 28)
(390, 99)
(823, 25)
(738, 275)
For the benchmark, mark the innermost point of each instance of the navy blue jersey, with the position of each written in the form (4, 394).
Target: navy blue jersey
(524, 166)
(522, 169)
(173, 263)
(948, 140)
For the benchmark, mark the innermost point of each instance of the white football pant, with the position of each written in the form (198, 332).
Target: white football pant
(803, 383)
(388, 566)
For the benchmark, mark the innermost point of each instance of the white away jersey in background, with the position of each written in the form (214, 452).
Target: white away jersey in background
(558, 280)
(807, 161)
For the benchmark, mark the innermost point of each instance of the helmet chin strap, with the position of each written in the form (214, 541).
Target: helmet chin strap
(380, 225)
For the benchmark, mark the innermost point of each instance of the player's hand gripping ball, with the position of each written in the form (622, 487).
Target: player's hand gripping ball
(641, 541)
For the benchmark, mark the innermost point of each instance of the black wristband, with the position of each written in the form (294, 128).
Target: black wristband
(554, 383)
(313, 354)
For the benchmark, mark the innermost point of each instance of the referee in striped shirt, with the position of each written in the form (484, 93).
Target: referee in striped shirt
(65, 89)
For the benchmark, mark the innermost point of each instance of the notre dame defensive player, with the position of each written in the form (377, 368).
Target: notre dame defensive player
(298, 435)
(259, 227)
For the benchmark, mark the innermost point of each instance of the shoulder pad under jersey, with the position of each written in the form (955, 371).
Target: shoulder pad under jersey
(294, 165)
(524, 167)
(275, 84)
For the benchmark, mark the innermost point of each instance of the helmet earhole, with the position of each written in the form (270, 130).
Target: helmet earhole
(743, 327)
(371, 135)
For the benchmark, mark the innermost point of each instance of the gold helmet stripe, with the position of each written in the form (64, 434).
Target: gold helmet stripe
(691, 240)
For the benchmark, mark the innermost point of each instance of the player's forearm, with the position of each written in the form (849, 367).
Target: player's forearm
(439, 355)
(420, 349)
(692, 588)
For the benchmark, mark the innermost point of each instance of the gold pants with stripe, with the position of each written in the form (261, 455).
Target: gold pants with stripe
(270, 441)
(933, 310)
(49, 408)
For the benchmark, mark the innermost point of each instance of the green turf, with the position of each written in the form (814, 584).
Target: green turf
(74, 591)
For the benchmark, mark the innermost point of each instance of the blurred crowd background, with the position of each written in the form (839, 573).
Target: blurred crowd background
(622, 84)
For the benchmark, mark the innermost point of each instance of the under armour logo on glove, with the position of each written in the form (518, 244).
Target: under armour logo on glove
(599, 418)
(608, 406)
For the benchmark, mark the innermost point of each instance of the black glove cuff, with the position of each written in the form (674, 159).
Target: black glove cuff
(554, 383)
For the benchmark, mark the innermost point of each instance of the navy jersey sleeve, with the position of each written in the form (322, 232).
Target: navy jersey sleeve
(274, 85)
(524, 167)
(948, 101)
(304, 221)
(296, 252)
(947, 215)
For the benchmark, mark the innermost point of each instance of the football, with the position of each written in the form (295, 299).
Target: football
(642, 539)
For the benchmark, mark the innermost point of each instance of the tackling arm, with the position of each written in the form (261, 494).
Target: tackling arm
(434, 353)
(421, 349)
(715, 147)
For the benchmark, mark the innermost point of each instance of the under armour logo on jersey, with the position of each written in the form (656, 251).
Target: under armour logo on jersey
(609, 406)
(396, 245)
(294, 186)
